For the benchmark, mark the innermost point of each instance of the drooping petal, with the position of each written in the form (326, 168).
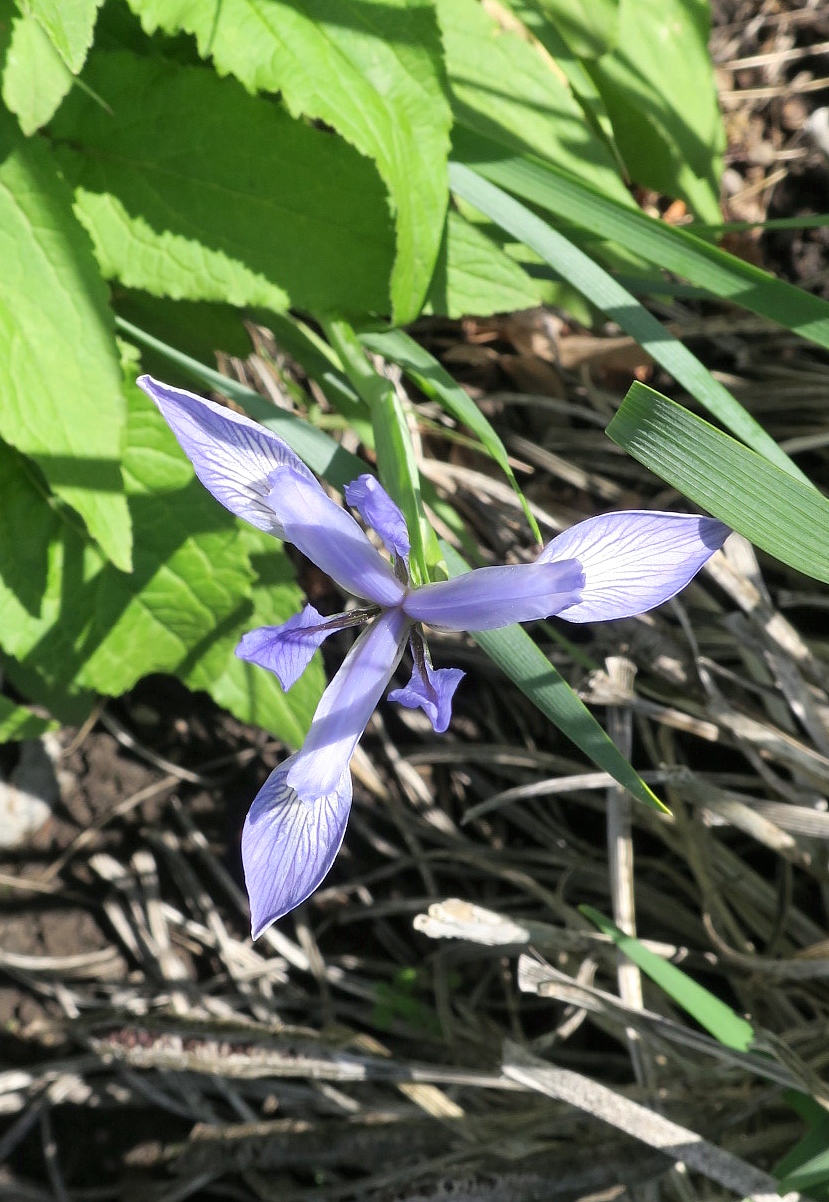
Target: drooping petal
(289, 845)
(492, 597)
(331, 538)
(431, 689)
(286, 650)
(374, 505)
(232, 455)
(347, 704)
(634, 560)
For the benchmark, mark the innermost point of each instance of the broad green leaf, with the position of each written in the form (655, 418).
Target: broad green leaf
(549, 27)
(77, 626)
(617, 303)
(371, 69)
(591, 27)
(59, 373)
(474, 276)
(658, 88)
(229, 199)
(506, 89)
(714, 1015)
(70, 25)
(197, 327)
(525, 664)
(35, 77)
(18, 722)
(253, 694)
(435, 382)
(669, 247)
(782, 515)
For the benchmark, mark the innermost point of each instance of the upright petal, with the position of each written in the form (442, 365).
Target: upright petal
(232, 455)
(286, 650)
(492, 597)
(346, 706)
(331, 538)
(634, 560)
(431, 689)
(289, 845)
(374, 505)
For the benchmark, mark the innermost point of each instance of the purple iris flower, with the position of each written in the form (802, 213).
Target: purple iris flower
(612, 566)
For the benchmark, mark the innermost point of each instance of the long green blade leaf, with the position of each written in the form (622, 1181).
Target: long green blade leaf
(621, 306)
(781, 515)
(715, 1016)
(670, 247)
(433, 380)
(517, 656)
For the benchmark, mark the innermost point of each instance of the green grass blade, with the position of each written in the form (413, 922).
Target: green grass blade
(517, 656)
(583, 273)
(396, 462)
(670, 247)
(714, 1015)
(784, 517)
(435, 382)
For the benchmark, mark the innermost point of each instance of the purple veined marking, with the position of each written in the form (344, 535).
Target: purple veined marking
(612, 566)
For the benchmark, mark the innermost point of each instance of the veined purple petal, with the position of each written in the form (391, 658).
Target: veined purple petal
(286, 650)
(347, 704)
(432, 689)
(488, 598)
(634, 560)
(289, 845)
(374, 505)
(232, 455)
(331, 538)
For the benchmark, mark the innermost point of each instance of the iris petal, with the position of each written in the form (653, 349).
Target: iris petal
(331, 538)
(430, 689)
(289, 845)
(489, 598)
(374, 505)
(346, 706)
(232, 455)
(286, 650)
(634, 560)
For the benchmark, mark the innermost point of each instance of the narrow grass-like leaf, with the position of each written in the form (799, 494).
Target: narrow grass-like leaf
(617, 303)
(433, 380)
(396, 461)
(806, 1167)
(677, 250)
(525, 664)
(783, 516)
(714, 1015)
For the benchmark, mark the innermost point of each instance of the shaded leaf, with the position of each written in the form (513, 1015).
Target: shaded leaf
(59, 371)
(371, 69)
(503, 88)
(192, 189)
(658, 88)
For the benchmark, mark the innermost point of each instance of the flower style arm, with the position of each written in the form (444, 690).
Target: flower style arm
(331, 538)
